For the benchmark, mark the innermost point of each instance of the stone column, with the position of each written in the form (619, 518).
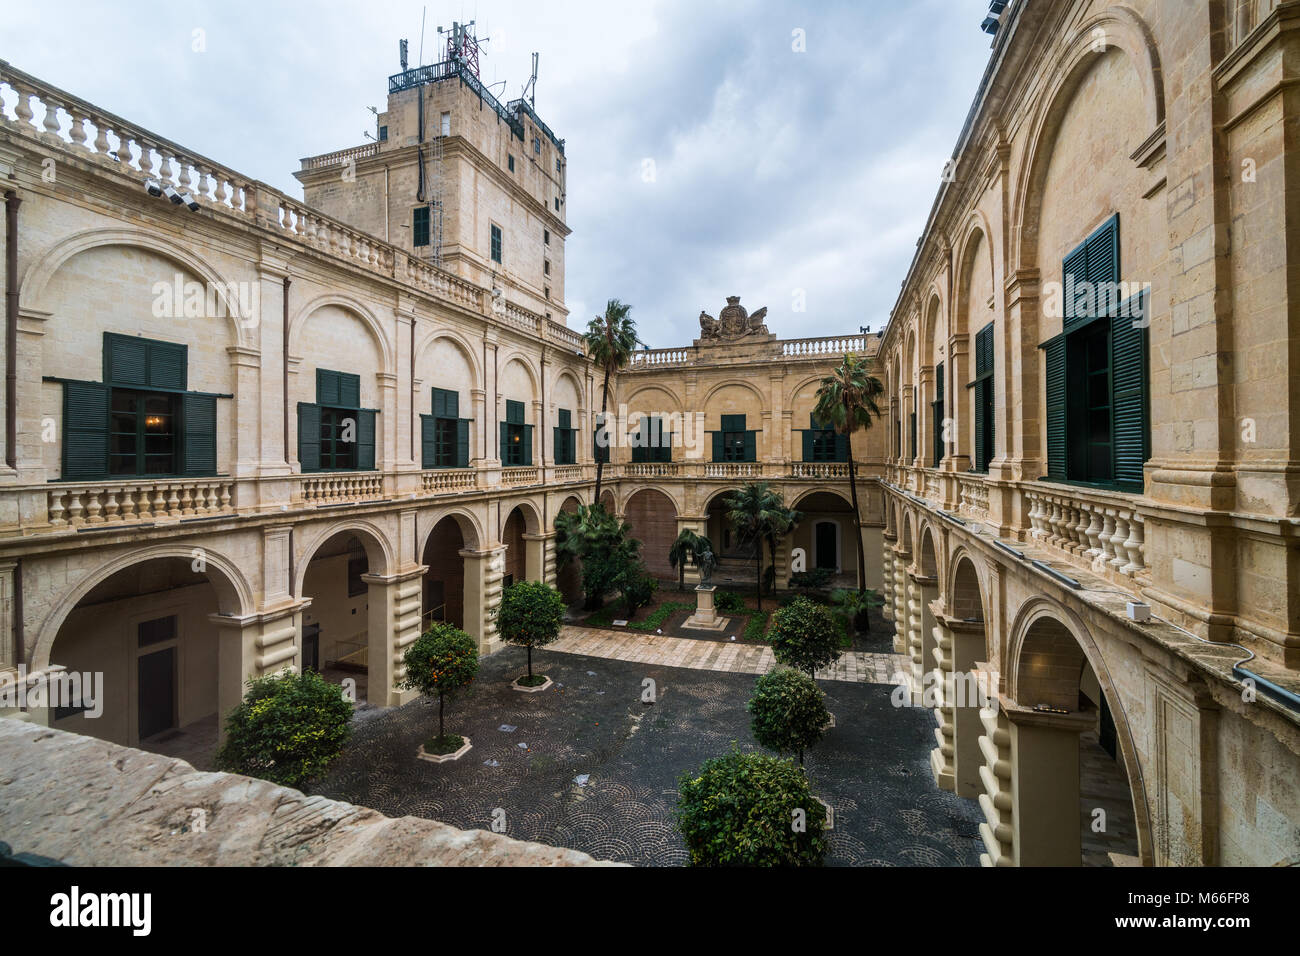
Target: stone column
(484, 571)
(958, 399)
(254, 645)
(1045, 784)
(888, 543)
(246, 374)
(539, 557)
(393, 625)
(956, 761)
(901, 587)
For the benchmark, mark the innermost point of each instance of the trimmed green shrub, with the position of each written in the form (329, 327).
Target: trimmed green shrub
(637, 587)
(750, 809)
(852, 609)
(788, 711)
(443, 660)
(728, 602)
(287, 729)
(530, 616)
(805, 636)
(814, 579)
(756, 626)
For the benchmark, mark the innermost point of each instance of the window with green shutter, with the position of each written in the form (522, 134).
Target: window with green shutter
(336, 433)
(420, 226)
(733, 442)
(1095, 372)
(823, 443)
(565, 439)
(982, 389)
(444, 434)
(516, 437)
(937, 416)
(496, 244)
(651, 443)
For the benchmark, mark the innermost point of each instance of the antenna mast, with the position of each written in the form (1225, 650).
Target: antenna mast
(530, 88)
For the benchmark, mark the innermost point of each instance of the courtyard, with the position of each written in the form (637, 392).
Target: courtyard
(589, 766)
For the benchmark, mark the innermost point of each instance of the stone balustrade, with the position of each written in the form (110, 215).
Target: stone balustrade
(1103, 531)
(974, 497)
(76, 505)
(567, 473)
(931, 487)
(654, 358)
(733, 469)
(652, 469)
(441, 481)
(820, 469)
(327, 489)
(339, 156)
(825, 346)
(513, 477)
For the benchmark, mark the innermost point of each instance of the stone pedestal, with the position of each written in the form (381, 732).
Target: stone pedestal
(705, 617)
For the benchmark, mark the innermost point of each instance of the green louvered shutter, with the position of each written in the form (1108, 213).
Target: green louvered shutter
(505, 444)
(126, 360)
(528, 444)
(936, 414)
(841, 447)
(462, 443)
(349, 390)
(1103, 262)
(717, 446)
(167, 365)
(1075, 270)
(199, 421)
(751, 446)
(428, 441)
(309, 436)
(1054, 352)
(981, 440)
(365, 436)
(1095, 261)
(327, 387)
(85, 431)
(365, 439)
(809, 437)
(1130, 403)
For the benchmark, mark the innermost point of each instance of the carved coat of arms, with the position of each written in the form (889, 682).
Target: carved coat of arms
(733, 322)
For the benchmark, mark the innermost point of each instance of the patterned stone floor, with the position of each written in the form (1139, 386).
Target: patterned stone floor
(588, 765)
(640, 648)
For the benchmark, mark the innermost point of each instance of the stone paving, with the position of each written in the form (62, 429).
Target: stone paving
(588, 765)
(656, 649)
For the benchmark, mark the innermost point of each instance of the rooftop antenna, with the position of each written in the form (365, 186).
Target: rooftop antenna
(462, 46)
(401, 52)
(423, 11)
(530, 88)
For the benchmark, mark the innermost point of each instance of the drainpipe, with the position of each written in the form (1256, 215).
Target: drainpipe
(284, 367)
(12, 202)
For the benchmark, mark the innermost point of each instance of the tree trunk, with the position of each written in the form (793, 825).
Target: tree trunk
(604, 408)
(857, 521)
(530, 663)
(440, 733)
(759, 581)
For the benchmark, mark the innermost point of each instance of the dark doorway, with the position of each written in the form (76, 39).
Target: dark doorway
(827, 551)
(311, 648)
(157, 692)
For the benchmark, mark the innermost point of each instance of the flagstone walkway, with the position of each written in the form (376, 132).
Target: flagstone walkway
(655, 649)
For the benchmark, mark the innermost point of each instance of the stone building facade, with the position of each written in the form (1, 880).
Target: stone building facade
(1092, 392)
(1089, 405)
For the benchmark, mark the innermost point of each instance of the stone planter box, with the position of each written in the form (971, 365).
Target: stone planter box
(531, 690)
(444, 758)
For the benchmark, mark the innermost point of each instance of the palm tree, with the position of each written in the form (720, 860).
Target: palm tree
(610, 341)
(848, 399)
(688, 546)
(758, 513)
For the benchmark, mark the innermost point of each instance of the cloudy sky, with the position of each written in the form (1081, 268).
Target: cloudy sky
(707, 156)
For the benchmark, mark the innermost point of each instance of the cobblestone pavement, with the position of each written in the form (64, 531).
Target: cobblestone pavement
(640, 648)
(588, 765)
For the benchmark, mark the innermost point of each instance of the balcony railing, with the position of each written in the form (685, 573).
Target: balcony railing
(1101, 530)
(652, 469)
(328, 489)
(439, 481)
(819, 469)
(76, 505)
(974, 497)
(513, 477)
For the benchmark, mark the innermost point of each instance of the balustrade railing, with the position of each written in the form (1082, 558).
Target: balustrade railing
(1103, 532)
(77, 505)
(732, 469)
(513, 477)
(819, 469)
(364, 151)
(335, 488)
(568, 472)
(974, 497)
(439, 481)
(651, 469)
(828, 346)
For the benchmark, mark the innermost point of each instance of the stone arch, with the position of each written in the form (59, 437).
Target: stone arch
(927, 560)
(1047, 633)
(966, 587)
(235, 596)
(349, 304)
(905, 541)
(738, 382)
(462, 345)
(527, 510)
(934, 311)
(36, 280)
(977, 232)
(524, 360)
(633, 396)
(470, 529)
(1129, 33)
(379, 552)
